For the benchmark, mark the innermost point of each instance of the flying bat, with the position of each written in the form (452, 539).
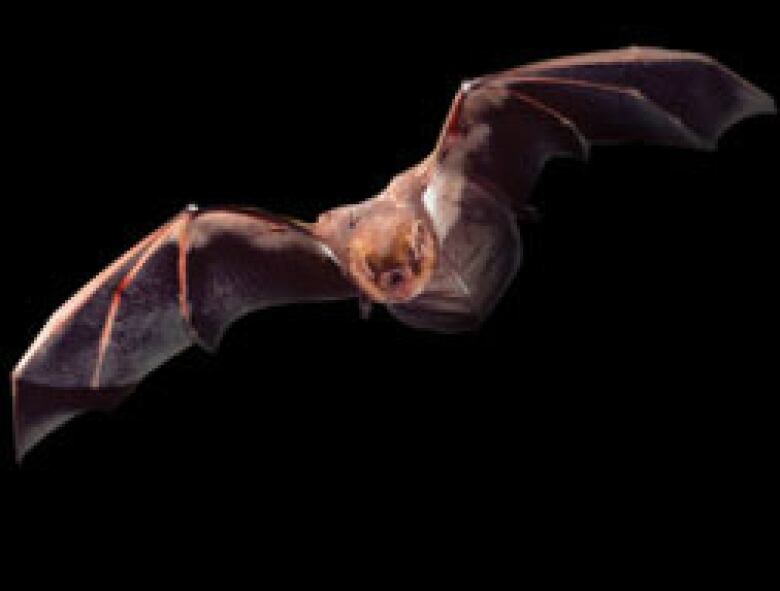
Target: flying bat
(438, 246)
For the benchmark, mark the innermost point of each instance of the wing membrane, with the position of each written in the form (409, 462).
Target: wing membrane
(183, 284)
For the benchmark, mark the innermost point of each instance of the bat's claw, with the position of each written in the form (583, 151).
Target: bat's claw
(468, 85)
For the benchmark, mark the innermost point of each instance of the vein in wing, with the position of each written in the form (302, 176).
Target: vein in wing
(60, 319)
(158, 238)
(184, 239)
(606, 113)
(707, 96)
(555, 114)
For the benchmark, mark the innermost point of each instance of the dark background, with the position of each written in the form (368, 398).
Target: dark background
(620, 361)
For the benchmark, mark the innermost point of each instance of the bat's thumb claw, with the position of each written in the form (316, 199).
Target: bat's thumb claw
(467, 85)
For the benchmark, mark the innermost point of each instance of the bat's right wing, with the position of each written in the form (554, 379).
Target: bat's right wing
(183, 284)
(503, 128)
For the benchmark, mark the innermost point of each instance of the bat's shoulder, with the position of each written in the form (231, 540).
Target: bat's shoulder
(407, 188)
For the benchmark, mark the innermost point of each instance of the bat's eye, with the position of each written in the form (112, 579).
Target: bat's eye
(373, 266)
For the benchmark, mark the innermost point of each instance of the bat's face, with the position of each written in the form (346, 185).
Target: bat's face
(391, 260)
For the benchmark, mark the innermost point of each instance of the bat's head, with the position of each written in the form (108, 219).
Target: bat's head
(392, 260)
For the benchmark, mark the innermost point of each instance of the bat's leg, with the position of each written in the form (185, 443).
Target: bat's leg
(365, 307)
(528, 213)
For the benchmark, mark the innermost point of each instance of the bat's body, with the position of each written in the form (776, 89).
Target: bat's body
(438, 246)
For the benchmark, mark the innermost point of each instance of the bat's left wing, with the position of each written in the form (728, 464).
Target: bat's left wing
(185, 283)
(503, 128)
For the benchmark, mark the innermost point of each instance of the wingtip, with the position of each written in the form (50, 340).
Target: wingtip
(39, 410)
(766, 104)
(756, 100)
(759, 103)
(24, 438)
(20, 450)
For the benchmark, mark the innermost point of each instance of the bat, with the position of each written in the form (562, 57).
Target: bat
(438, 246)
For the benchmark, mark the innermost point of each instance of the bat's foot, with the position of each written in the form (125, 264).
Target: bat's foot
(529, 213)
(365, 307)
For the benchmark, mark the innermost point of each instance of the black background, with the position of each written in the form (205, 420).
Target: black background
(619, 362)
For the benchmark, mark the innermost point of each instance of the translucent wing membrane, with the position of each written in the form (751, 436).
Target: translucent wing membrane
(183, 284)
(186, 282)
(504, 127)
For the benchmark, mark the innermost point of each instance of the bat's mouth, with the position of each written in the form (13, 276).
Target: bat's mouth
(396, 281)
(398, 274)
